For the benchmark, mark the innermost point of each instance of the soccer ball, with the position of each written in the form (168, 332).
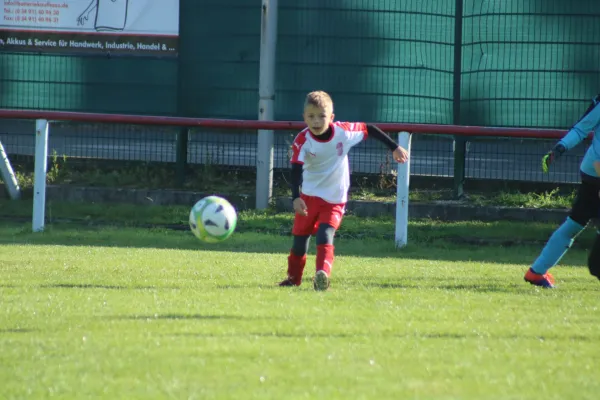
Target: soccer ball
(213, 219)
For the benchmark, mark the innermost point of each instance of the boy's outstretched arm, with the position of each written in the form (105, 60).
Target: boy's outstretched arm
(400, 154)
(577, 134)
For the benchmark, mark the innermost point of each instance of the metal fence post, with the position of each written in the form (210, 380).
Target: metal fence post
(264, 153)
(182, 135)
(460, 143)
(181, 156)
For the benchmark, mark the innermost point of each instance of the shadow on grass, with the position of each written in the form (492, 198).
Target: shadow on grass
(261, 287)
(458, 287)
(413, 336)
(118, 287)
(17, 330)
(444, 249)
(181, 317)
(108, 287)
(522, 288)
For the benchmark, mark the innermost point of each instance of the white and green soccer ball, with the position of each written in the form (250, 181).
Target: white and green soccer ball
(213, 219)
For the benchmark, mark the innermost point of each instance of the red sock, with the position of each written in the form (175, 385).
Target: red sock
(325, 258)
(296, 267)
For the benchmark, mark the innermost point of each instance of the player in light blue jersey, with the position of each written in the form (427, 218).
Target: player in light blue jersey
(587, 203)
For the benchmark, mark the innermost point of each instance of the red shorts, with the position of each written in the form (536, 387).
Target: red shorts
(319, 212)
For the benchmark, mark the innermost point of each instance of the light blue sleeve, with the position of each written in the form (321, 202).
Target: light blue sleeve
(582, 129)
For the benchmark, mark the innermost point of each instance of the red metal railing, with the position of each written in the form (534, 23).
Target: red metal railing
(460, 130)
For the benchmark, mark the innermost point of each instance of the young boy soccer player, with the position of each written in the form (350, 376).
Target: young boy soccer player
(587, 203)
(320, 165)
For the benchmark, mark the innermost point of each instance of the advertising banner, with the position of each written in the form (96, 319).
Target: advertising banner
(124, 27)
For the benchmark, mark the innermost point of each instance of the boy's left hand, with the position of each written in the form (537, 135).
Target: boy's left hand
(400, 155)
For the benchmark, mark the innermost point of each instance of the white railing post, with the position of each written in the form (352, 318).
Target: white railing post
(404, 139)
(8, 175)
(265, 145)
(42, 131)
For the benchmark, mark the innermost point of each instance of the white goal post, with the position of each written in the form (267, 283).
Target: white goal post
(42, 130)
(403, 179)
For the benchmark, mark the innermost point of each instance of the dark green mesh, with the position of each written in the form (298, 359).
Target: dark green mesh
(524, 63)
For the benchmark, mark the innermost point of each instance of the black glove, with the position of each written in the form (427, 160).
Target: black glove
(552, 156)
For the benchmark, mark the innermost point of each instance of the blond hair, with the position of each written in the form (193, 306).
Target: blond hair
(319, 98)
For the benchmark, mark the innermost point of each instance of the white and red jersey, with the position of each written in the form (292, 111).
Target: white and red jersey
(326, 171)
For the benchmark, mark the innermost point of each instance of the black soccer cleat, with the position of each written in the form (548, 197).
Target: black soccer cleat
(289, 282)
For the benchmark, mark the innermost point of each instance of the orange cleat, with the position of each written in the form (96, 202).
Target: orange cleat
(544, 280)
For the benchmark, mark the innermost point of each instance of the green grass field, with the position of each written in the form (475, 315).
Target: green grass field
(129, 312)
